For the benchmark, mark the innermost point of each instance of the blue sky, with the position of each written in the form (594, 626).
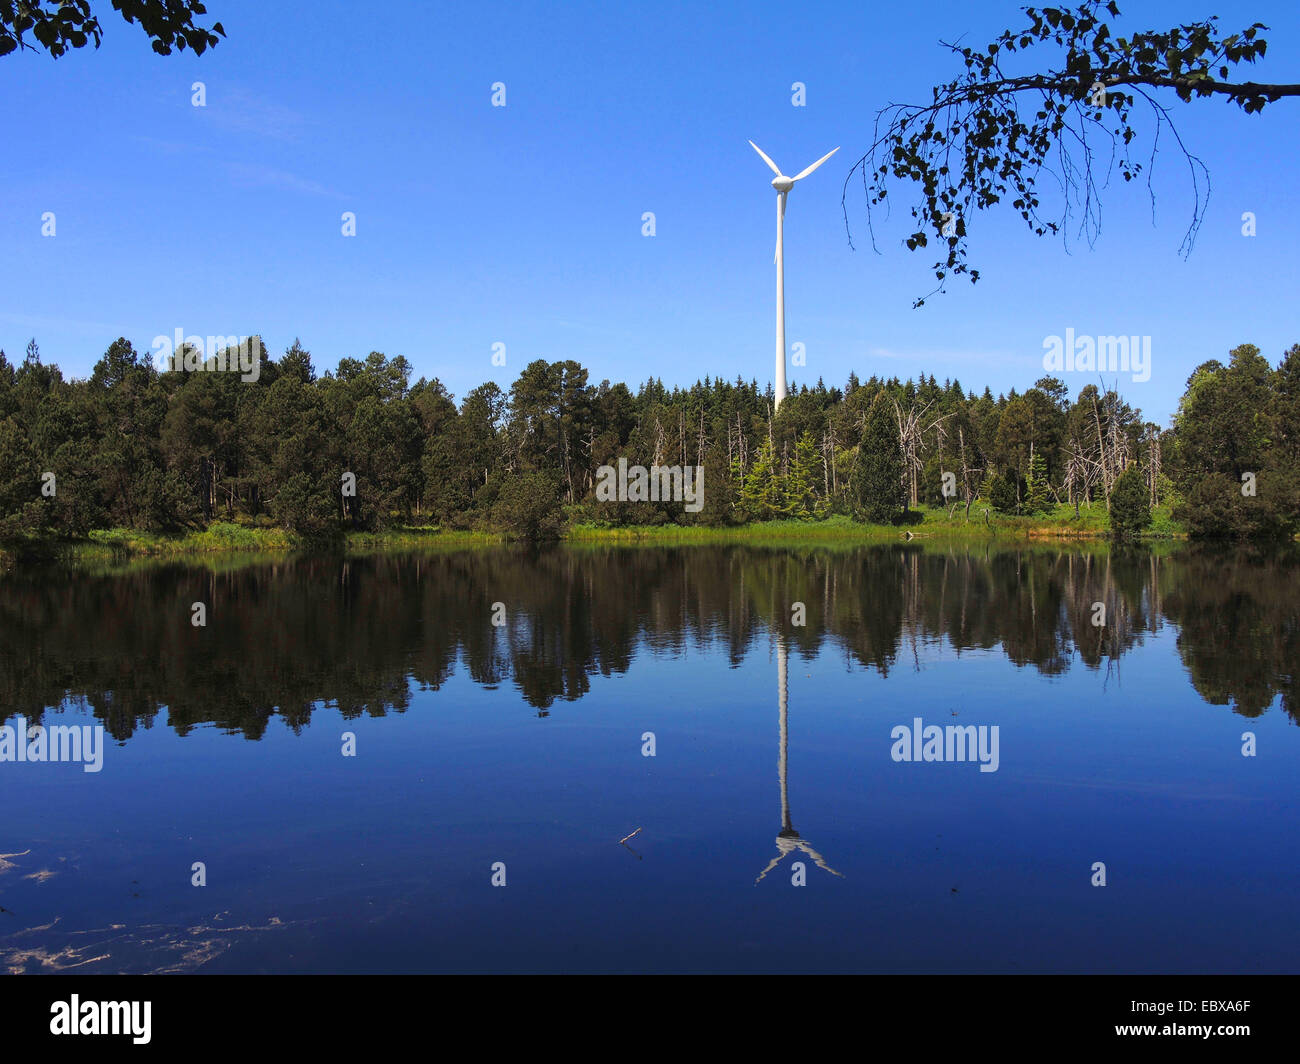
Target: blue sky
(521, 225)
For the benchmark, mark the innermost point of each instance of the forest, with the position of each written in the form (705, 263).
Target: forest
(360, 447)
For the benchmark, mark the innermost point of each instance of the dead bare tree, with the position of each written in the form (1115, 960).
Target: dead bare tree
(912, 427)
(1153, 462)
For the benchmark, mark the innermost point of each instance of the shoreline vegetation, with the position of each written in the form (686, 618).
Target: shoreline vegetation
(928, 524)
(146, 460)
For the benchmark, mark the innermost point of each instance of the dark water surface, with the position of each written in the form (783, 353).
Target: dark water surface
(522, 744)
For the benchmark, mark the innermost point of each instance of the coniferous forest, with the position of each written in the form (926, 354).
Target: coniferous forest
(174, 450)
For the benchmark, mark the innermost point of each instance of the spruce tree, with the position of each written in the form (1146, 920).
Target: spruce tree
(1037, 498)
(761, 491)
(800, 482)
(876, 484)
(1130, 505)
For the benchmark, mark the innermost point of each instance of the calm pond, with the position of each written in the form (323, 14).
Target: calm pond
(350, 752)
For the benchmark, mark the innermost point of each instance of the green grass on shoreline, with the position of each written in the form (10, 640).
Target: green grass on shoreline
(240, 543)
(933, 523)
(228, 538)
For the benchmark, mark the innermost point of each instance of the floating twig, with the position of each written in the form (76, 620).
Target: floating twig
(626, 837)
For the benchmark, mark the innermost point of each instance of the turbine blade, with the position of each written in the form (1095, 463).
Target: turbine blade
(775, 169)
(805, 173)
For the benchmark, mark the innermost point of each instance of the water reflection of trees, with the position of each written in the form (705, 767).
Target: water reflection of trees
(1239, 629)
(362, 633)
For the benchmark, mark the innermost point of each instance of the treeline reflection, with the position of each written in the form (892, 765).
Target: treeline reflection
(363, 633)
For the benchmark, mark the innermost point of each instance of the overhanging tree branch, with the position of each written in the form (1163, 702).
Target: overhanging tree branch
(972, 148)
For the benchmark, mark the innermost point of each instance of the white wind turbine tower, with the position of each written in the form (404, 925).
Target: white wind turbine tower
(783, 184)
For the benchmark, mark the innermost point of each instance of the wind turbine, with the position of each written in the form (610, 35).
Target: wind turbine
(787, 840)
(783, 184)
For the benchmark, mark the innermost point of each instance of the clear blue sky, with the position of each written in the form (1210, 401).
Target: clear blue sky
(522, 224)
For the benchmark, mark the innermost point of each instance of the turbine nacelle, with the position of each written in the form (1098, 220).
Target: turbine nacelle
(783, 183)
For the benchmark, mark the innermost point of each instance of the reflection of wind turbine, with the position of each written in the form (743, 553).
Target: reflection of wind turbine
(783, 184)
(787, 839)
